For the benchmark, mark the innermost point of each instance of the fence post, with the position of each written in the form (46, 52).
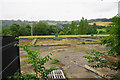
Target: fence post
(18, 57)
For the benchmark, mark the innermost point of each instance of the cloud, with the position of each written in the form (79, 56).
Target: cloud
(57, 9)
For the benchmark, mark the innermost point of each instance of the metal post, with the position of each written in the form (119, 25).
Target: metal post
(31, 29)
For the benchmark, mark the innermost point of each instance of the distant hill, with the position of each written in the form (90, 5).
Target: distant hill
(52, 22)
(100, 20)
(7, 23)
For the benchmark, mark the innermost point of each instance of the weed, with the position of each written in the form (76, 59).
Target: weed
(79, 39)
(73, 38)
(66, 56)
(41, 45)
(36, 45)
(59, 44)
(37, 61)
(83, 42)
(24, 63)
(69, 43)
(65, 75)
(24, 56)
(65, 43)
(55, 61)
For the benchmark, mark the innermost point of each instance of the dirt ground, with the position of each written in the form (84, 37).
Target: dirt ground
(70, 57)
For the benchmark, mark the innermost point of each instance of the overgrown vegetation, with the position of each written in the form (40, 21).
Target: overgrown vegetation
(22, 76)
(113, 44)
(83, 42)
(54, 61)
(37, 61)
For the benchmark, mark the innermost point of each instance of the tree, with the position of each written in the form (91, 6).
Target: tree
(24, 30)
(61, 33)
(91, 29)
(14, 29)
(6, 31)
(66, 29)
(73, 28)
(83, 26)
(113, 41)
(28, 30)
(40, 28)
(52, 30)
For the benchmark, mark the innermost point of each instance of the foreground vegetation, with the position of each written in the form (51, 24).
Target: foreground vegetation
(37, 61)
(112, 43)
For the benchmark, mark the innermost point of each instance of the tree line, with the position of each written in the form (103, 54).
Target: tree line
(43, 28)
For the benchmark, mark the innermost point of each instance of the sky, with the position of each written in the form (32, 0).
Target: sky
(59, 10)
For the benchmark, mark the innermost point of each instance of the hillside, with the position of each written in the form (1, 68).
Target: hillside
(101, 23)
(100, 20)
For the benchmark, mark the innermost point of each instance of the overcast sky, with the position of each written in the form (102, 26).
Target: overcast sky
(57, 9)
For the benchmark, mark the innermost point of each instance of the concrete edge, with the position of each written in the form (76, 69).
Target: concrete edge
(97, 72)
(34, 41)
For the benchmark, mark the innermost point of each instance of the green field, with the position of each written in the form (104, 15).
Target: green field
(61, 36)
(104, 30)
(50, 23)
